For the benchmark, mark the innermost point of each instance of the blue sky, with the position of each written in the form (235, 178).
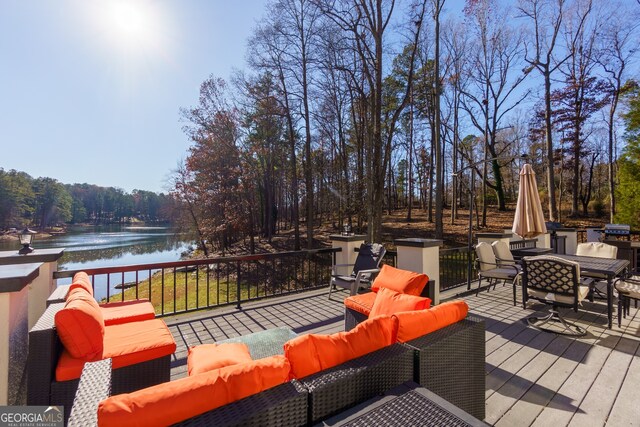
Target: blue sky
(90, 91)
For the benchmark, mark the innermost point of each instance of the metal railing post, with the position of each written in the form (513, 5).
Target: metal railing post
(238, 306)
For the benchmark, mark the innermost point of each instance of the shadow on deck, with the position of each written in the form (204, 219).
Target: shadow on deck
(307, 312)
(533, 378)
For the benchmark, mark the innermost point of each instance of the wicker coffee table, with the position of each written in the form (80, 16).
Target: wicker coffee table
(408, 404)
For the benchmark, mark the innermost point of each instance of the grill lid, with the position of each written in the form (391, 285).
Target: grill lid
(621, 229)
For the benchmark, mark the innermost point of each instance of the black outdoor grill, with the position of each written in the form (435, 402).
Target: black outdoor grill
(617, 230)
(558, 243)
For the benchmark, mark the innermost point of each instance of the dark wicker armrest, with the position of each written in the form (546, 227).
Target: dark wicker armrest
(451, 363)
(355, 381)
(95, 386)
(58, 295)
(44, 350)
(285, 404)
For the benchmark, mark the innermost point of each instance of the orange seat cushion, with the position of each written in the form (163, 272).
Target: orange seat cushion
(313, 353)
(115, 313)
(362, 303)
(175, 401)
(81, 280)
(391, 302)
(401, 281)
(414, 324)
(80, 326)
(207, 357)
(127, 344)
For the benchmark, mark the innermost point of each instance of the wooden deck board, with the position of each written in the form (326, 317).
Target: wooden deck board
(533, 377)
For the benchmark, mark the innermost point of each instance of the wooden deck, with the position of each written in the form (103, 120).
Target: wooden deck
(533, 378)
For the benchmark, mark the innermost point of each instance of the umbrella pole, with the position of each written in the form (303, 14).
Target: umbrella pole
(470, 233)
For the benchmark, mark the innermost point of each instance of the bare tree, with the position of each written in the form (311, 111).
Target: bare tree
(491, 94)
(617, 47)
(366, 23)
(455, 42)
(546, 18)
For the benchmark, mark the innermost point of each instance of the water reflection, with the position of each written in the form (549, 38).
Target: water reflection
(108, 246)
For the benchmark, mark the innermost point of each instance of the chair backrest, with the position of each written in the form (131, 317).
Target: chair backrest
(369, 257)
(597, 250)
(551, 275)
(485, 255)
(625, 251)
(502, 252)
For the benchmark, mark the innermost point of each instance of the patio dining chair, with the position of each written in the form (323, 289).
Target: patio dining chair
(597, 250)
(503, 254)
(367, 265)
(489, 268)
(628, 289)
(554, 281)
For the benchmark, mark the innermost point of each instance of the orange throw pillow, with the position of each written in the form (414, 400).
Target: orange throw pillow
(391, 302)
(401, 281)
(81, 280)
(80, 326)
(313, 353)
(207, 357)
(174, 401)
(414, 324)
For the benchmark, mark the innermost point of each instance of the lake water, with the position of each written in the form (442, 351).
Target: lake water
(113, 245)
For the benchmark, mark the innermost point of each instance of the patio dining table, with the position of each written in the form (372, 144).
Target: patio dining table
(600, 268)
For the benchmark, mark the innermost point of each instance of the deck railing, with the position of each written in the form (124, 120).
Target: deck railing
(185, 286)
(454, 267)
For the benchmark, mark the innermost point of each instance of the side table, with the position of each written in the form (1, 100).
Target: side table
(405, 405)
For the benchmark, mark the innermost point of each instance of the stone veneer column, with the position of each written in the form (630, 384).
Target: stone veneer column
(544, 240)
(571, 242)
(14, 281)
(421, 256)
(347, 254)
(43, 285)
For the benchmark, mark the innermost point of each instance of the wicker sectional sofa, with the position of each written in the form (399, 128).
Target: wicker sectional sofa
(449, 361)
(311, 399)
(46, 351)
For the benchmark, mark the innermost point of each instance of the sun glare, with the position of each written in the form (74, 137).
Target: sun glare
(128, 20)
(132, 23)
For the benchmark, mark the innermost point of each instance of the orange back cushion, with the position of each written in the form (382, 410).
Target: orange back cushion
(414, 324)
(391, 302)
(207, 357)
(81, 280)
(171, 402)
(313, 353)
(80, 326)
(401, 281)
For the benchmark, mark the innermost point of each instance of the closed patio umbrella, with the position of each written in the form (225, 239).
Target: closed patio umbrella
(529, 218)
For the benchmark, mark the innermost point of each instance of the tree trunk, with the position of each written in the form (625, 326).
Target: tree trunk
(553, 210)
(611, 170)
(437, 143)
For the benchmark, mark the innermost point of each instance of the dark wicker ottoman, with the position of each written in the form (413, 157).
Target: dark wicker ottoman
(451, 363)
(336, 389)
(406, 405)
